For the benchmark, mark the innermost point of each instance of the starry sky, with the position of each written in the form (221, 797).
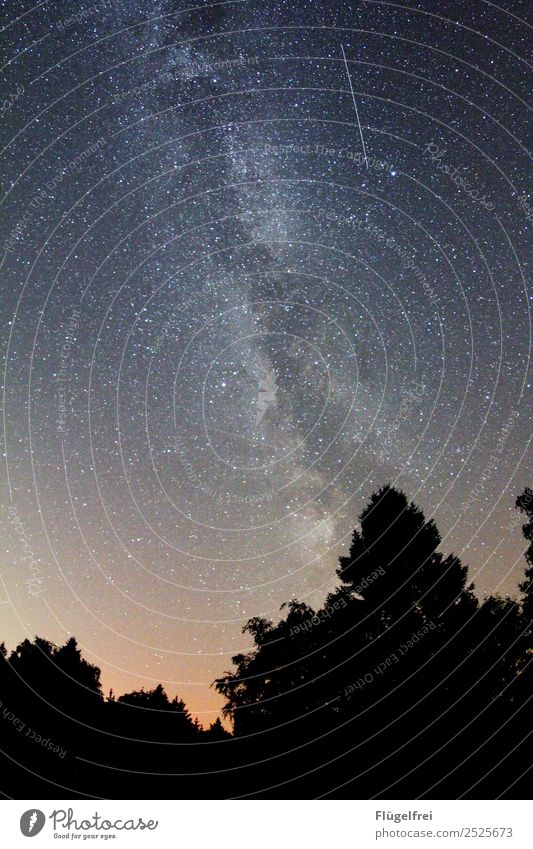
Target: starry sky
(257, 259)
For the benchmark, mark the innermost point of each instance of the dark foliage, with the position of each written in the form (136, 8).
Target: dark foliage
(403, 685)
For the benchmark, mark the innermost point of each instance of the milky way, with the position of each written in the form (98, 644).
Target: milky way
(258, 259)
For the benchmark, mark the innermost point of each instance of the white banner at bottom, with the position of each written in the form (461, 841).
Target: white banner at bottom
(267, 824)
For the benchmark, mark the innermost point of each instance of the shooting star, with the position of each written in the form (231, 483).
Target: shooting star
(355, 105)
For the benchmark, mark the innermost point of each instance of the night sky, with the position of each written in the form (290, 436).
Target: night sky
(258, 259)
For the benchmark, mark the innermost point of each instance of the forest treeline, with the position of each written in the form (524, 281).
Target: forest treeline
(403, 685)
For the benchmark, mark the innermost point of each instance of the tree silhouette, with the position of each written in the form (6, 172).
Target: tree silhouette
(401, 685)
(270, 686)
(393, 563)
(216, 731)
(397, 665)
(396, 584)
(525, 504)
(57, 674)
(150, 714)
